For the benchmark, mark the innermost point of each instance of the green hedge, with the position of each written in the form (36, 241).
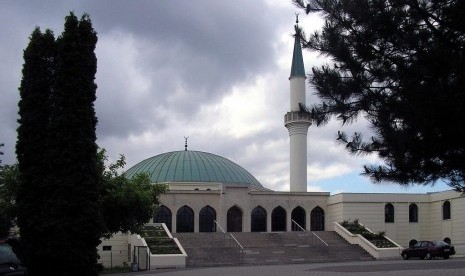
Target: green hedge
(377, 239)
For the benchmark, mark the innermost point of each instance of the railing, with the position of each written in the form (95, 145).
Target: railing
(238, 245)
(233, 242)
(297, 116)
(297, 227)
(219, 226)
(318, 237)
(224, 235)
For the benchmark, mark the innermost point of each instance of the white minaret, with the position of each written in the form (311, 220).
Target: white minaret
(297, 120)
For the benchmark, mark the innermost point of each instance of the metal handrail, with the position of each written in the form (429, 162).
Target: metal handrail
(303, 229)
(218, 225)
(298, 225)
(319, 238)
(231, 236)
(237, 242)
(241, 250)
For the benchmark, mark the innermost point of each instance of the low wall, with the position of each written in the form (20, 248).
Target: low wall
(122, 246)
(377, 253)
(168, 260)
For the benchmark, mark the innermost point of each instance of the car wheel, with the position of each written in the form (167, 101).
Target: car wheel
(446, 256)
(428, 256)
(405, 256)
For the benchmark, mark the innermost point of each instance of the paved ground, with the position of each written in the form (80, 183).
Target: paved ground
(453, 266)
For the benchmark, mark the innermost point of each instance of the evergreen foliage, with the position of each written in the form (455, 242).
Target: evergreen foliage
(32, 146)
(401, 64)
(8, 186)
(59, 198)
(74, 214)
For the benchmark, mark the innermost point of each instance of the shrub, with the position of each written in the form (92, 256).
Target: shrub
(377, 239)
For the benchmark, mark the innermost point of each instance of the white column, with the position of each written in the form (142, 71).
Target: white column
(298, 155)
(297, 88)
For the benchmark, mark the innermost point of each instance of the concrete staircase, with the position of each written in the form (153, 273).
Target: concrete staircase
(213, 249)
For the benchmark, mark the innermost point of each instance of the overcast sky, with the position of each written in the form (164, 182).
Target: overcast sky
(216, 71)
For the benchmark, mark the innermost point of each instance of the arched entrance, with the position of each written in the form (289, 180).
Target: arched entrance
(317, 219)
(278, 219)
(258, 223)
(163, 215)
(234, 219)
(185, 219)
(298, 215)
(207, 219)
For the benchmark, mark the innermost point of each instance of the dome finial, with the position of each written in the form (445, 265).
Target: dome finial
(185, 140)
(297, 18)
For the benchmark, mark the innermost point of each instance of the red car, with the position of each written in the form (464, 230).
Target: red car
(428, 250)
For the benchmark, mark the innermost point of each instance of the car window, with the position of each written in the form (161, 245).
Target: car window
(439, 243)
(418, 244)
(7, 255)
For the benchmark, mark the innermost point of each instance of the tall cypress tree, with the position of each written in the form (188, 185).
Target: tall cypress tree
(59, 197)
(31, 148)
(75, 201)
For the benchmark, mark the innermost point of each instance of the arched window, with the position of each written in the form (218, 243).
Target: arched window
(234, 219)
(163, 215)
(388, 213)
(298, 215)
(413, 213)
(207, 217)
(446, 210)
(258, 223)
(278, 219)
(317, 219)
(185, 219)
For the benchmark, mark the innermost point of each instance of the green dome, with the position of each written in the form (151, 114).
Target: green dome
(193, 166)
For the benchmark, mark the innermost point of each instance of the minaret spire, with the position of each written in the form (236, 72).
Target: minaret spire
(297, 68)
(297, 121)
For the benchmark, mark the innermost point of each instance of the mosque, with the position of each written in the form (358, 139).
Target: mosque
(207, 191)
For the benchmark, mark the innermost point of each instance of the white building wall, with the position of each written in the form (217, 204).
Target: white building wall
(196, 200)
(458, 217)
(424, 221)
(118, 255)
(334, 214)
(246, 200)
(452, 228)
(369, 209)
(435, 227)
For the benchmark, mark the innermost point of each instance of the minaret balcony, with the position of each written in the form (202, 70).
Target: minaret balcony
(297, 117)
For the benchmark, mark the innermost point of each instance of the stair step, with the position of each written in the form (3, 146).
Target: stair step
(212, 249)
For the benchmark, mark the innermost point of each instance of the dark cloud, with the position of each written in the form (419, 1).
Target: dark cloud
(190, 52)
(212, 70)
